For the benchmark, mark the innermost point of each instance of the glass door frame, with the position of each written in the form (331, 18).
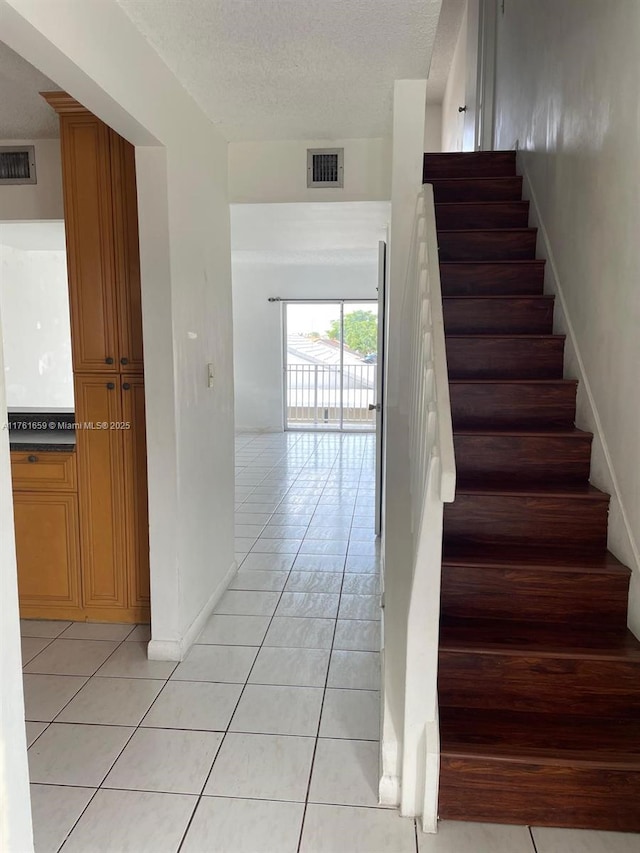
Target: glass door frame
(341, 303)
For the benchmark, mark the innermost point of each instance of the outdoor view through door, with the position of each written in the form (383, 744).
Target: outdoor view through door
(330, 364)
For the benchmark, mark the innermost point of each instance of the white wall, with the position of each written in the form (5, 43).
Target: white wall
(258, 323)
(408, 142)
(277, 171)
(34, 298)
(42, 200)
(186, 290)
(433, 128)
(455, 94)
(567, 92)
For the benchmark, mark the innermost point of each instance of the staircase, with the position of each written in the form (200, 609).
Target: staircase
(539, 678)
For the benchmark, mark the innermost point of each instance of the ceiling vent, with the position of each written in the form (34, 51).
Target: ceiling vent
(325, 167)
(17, 164)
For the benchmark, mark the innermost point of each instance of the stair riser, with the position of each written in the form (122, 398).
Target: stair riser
(527, 459)
(482, 189)
(538, 684)
(490, 405)
(562, 522)
(469, 165)
(519, 792)
(492, 279)
(538, 595)
(503, 214)
(486, 245)
(520, 316)
(496, 358)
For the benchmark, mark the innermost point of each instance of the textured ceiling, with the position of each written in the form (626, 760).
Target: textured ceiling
(292, 69)
(445, 44)
(23, 113)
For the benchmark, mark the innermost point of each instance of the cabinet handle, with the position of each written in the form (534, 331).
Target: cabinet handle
(124, 360)
(108, 360)
(126, 386)
(111, 385)
(32, 458)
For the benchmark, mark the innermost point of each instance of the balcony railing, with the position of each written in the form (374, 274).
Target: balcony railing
(322, 396)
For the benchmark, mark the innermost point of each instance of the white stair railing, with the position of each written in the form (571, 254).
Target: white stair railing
(432, 484)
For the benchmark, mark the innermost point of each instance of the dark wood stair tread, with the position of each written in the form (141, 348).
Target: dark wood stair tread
(584, 491)
(547, 738)
(494, 636)
(495, 556)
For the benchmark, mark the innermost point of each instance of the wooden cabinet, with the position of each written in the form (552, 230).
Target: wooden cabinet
(39, 471)
(47, 551)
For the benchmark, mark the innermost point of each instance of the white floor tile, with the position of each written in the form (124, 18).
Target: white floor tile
(130, 661)
(32, 646)
(455, 836)
(549, 840)
(362, 565)
(248, 531)
(295, 632)
(357, 635)
(244, 826)
(355, 584)
(264, 767)
(320, 531)
(268, 562)
(97, 631)
(243, 603)
(71, 657)
(216, 663)
(332, 829)
(234, 630)
(259, 518)
(351, 714)
(243, 544)
(359, 548)
(276, 546)
(292, 667)
(111, 701)
(265, 581)
(168, 760)
(42, 627)
(359, 607)
(321, 604)
(345, 772)
(319, 547)
(284, 531)
(319, 563)
(194, 705)
(34, 730)
(314, 582)
(46, 695)
(54, 810)
(70, 754)
(354, 670)
(132, 822)
(278, 710)
(140, 634)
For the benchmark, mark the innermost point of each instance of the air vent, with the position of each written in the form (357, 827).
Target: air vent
(325, 167)
(17, 164)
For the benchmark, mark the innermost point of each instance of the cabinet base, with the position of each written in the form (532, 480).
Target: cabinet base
(127, 615)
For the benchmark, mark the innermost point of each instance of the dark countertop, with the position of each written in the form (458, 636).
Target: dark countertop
(54, 440)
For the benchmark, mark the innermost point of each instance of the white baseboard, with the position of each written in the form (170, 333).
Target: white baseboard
(178, 649)
(389, 791)
(622, 541)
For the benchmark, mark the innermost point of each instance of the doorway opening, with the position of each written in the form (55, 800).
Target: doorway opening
(330, 353)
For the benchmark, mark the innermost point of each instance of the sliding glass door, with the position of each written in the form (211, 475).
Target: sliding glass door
(330, 364)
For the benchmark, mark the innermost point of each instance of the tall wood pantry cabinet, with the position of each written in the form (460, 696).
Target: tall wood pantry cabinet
(101, 224)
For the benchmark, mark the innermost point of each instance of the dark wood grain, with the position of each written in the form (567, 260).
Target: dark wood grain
(491, 278)
(484, 214)
(476, 189)
(484, 356)
(498, 315)
(488, 244)
(508, 403)
(469, 164)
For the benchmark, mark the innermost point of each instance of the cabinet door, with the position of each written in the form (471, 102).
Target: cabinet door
(47, 549)
(127, 254)
(88, 211)
(135, 490)
(100, 486)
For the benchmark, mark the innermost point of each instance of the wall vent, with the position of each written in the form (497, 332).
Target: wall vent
(325, 167)
(17, 164)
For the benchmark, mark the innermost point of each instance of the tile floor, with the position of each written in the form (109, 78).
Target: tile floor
(265, 739)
